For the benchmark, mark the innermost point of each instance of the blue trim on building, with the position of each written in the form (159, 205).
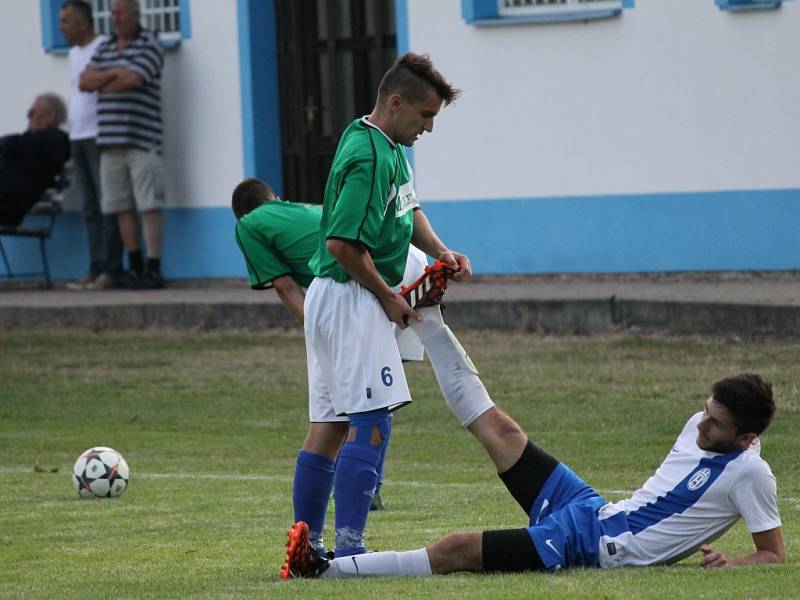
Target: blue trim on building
(487, 12)
(186, 19)
(401, 25)
(743, 5)
(478, 10)
(258, 65)
(703, 231)
(403, 45)
(52, 40)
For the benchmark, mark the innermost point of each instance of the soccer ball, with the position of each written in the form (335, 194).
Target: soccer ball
(100, 473)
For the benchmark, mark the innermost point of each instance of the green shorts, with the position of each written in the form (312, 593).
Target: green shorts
(131, 179)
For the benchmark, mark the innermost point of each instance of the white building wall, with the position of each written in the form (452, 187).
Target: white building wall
(201, 93)
(673, 96)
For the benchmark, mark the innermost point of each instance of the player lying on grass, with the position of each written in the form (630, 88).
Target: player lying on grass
(277, 239)
(713, 475)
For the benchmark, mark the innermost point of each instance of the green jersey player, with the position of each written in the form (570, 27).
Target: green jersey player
(370, 216)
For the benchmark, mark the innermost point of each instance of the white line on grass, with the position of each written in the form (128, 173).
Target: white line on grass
(288, 479)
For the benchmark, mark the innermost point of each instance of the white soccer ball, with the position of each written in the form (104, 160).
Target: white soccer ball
(100, 473)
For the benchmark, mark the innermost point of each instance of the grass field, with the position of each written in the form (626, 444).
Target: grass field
(211, 423)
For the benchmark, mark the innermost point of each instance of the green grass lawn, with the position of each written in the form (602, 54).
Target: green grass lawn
(211, 423)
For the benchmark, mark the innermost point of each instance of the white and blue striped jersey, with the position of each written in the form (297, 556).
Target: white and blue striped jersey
(693, 498)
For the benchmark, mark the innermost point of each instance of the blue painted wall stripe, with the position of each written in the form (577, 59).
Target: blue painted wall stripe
(732, 230)
(402, 36)
(704, 231)
(258, 65)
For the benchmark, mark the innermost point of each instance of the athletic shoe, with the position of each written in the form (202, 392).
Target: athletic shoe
(429, 289)
(101, 282)
(82, 284)
(301, 558)
(377, 502)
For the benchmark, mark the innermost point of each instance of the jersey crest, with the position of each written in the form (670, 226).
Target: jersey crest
(699, 479)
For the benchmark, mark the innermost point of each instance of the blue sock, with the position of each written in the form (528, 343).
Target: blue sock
(380, 467)
(355, 480)
(313, 480)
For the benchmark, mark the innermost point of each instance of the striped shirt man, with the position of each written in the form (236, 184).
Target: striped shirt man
(132, 117)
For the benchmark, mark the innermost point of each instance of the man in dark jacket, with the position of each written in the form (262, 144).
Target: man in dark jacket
(30, 161)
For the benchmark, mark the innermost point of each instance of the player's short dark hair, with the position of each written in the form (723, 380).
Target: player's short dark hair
(412, 76)
(249, 195)
(749, 400)
(83, 8)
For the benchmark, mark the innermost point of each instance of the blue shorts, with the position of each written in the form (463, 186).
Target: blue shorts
(563, 521)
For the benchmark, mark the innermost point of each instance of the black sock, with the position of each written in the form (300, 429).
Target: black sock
(154, 265)
(528, 475)
(135, 261)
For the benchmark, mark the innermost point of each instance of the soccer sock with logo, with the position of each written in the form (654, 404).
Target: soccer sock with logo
(313, 480)
(356, 476)
(377, 564)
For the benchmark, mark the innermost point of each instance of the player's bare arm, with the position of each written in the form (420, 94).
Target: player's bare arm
(357, 263)
(425, 238)
(769, 549)
(291, 295)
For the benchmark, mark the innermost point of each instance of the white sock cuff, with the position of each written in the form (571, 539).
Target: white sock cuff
(415, 562)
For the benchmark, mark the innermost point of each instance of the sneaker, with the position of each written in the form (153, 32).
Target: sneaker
(301, 558)
(82, 284)
(101, 282)
(377, 502)
(429, 289)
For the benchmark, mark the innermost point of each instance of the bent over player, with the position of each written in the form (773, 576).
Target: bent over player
(713, 475)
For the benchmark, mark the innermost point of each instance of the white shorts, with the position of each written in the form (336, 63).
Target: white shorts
(407, 341)
(354, 365)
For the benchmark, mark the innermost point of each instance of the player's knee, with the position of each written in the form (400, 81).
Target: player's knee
(496, 423)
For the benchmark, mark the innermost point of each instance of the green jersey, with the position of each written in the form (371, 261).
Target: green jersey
(277, 239)
(369, 198)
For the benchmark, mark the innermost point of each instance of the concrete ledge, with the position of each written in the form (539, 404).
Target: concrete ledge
(556, 316)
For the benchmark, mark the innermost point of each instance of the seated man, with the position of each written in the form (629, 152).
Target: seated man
(278, 239)
(30, 161)
(713, 475)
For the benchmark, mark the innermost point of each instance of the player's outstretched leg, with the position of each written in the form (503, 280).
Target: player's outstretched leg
(458, 378)
(356, 477)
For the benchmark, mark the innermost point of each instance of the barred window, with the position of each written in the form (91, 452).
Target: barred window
(511, 12)
(514, 8)
(160, 16)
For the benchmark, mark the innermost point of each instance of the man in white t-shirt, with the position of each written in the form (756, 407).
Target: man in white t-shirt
(713, 476)
(105, 246)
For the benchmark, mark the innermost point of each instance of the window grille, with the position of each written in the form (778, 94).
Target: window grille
(161, 16)
(519, 8)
